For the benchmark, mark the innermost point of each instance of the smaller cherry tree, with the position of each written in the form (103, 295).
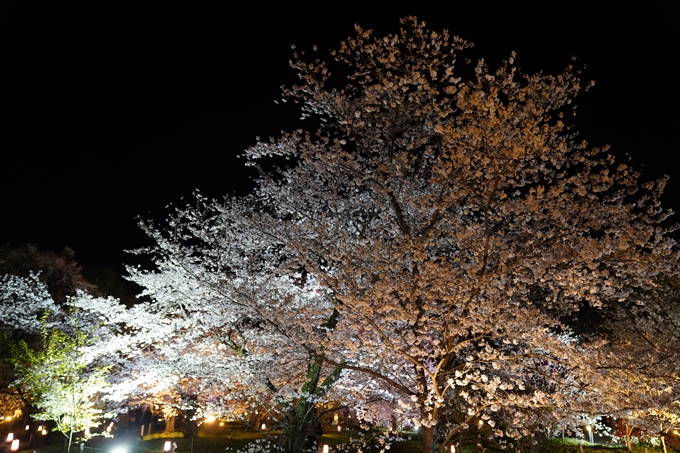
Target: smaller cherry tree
(65, 387)
(638, 364)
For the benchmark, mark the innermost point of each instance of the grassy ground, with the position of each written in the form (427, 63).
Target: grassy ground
(237, 440)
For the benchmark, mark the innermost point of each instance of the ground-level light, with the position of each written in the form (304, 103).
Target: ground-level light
(590, 433)
(339, 428)
(453, 449)
(325, 448)
(263, 427)
(10, 437)
(167, 446)
(15, 445)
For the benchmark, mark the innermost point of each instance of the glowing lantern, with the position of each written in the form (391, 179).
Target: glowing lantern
(339, 428)
(27, 428)
(15, 445)
(167, 446)
(453, 449)
(263, 427)
(325, 448)
(44, 432)
(10, 437)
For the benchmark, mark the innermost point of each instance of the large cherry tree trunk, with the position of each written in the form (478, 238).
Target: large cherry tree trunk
(170, 424)
(300, 427)
(430, 439)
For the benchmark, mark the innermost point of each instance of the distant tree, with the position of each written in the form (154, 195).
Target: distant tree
(23, 301)
(60, 273)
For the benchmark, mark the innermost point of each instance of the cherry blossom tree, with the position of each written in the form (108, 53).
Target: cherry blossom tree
(228, 319)
(639, 361)
(428, 247)
(456, 220)
(64, 386)
(23, 301)
(32, 281)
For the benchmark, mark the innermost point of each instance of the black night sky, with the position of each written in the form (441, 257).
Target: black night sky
(113, 112)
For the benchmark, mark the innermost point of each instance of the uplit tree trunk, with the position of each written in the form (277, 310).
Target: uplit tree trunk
(429, 414)
(190, 428)
(430, 431)
(629, 430)
(430, 439)
(66, 444)
(170, 424)
(301, 420)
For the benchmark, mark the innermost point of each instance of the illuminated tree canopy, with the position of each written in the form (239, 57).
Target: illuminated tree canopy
(429, 248)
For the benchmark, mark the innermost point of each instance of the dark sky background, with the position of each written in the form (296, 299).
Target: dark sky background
(113, 112)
